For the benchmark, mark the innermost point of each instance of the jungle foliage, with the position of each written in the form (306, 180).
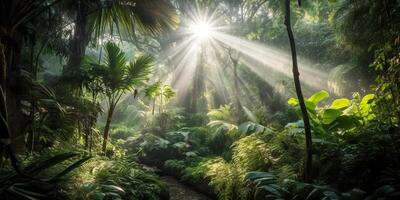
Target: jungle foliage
(94, 92)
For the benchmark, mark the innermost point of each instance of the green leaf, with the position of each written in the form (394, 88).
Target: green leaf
(36, 168)
(344, 122)
(310, 106)
(257, 175)
(366, 99)
(293, 101)
(319, 96)
(330, 115)
(113, 188)
(26, 193)
(69, 169)
(365, 104)
(340, 103)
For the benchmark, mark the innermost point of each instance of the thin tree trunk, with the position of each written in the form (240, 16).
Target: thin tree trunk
(107, 127)
(154, 105)
(296, 75)
(237, 91)
(161, 103)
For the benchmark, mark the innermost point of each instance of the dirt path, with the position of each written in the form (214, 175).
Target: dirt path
(179, 191)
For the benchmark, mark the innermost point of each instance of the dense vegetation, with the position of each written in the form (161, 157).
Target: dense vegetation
(96, 92)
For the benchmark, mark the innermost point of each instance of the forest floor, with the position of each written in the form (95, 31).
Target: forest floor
(176, 189)
(179, 191)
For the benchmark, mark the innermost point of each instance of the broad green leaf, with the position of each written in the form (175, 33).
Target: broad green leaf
(366, 99)
(330, 115)
(70, 168)
(254, 175)
(345, 122)
(340, 103)
(310, 106)
(319, 96)
(271, 189)
(25, 193)
(36, 168)
(365, 104)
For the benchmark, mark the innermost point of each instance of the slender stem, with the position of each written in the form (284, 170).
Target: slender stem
(296, 76)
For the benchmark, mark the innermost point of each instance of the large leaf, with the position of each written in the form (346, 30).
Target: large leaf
(340, 103)
(251, 127)
(36, 168)
(127, 17)
(26, 193)
(139, 71)
(113, 188)
(365, 104)
(318, 97)
(69, 169)
(330, 115)
(345, 122)
(255, 175)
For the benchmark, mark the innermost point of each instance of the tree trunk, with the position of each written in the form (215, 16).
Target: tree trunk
(161, 103)
(239, 110)
(296, 75)
(12, 91)
(79, 41)
(107, 127)
(154, 105)
(199, 85)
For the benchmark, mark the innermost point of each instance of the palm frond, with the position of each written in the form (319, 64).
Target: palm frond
(139, 71)
(153, 90)
(128, 16)
(115, 61)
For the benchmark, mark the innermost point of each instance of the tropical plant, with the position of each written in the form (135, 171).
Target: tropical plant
(34, 182)
(162, 91)
(118, 76)
(341, 115)
(386, 87)
(222, 120)
(123, 179)
(267, 187)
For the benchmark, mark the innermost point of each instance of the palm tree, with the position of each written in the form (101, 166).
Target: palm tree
(118, 76)
(163, 91)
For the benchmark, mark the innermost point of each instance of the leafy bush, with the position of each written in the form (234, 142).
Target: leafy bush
(122, 179)
(342, 115)
(267, 187)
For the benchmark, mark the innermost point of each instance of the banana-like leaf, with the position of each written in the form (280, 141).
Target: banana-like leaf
(36, 168)
(69, 169)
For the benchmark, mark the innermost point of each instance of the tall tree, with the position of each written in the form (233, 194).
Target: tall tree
(296, 77)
